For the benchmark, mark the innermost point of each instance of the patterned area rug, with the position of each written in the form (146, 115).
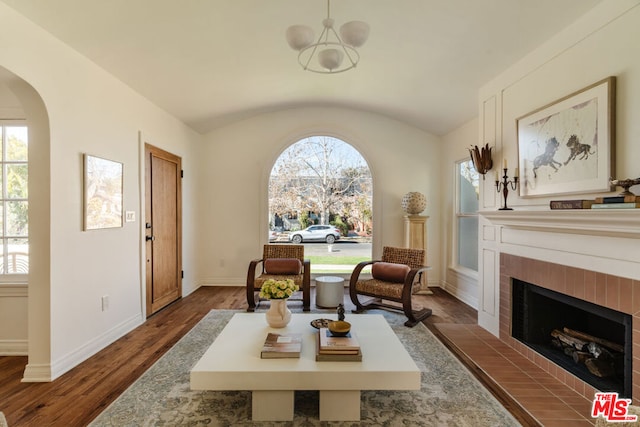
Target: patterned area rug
(449, 396)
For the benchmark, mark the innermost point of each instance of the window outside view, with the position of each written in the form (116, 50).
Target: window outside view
(320, 196)
(467, 215)
(14, 255)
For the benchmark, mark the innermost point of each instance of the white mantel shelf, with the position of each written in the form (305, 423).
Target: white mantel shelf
(609, 222)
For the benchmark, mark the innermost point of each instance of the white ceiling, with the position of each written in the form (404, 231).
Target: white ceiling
(210, 62)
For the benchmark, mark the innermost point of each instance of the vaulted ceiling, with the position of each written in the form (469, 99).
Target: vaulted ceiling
(210, 62)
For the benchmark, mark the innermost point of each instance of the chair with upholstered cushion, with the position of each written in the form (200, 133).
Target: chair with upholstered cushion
(280, 262)
(392, 279)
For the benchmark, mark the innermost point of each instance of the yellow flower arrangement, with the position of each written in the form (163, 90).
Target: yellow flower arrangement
(278, 289)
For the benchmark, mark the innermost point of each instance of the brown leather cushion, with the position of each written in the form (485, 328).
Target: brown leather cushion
(282, 266)
(389, 272)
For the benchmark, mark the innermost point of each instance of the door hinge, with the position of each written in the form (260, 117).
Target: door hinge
(181, 173)
(182, 274)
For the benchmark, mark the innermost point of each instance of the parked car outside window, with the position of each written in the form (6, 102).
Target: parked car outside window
(316, 233)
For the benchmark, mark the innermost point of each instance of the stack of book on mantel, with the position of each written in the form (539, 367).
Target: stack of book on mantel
(617, 202)
(337, 349)
(571, 204)
(612, 202)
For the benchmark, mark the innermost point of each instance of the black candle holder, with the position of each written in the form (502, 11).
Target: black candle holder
(504, 187)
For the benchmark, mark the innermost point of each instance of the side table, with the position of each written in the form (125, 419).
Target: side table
(329, 291)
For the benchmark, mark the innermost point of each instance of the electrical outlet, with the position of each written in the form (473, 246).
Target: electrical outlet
(105, 303)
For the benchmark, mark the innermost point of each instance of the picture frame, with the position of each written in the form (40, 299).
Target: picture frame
(568, 146)
(103, 191)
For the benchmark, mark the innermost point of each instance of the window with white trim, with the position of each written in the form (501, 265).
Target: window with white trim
(14, 204)
(467, 198)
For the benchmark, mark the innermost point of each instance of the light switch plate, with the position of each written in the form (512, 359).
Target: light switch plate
(130, 216)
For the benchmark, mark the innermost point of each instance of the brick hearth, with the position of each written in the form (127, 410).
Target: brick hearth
(617, 293)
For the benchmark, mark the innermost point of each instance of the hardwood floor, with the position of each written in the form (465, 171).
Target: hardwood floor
(81, 394)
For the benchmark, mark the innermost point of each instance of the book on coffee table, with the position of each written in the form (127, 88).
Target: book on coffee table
(330, 344)
(337, 356)
(278, 346)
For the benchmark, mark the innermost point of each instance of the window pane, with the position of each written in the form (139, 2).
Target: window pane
(468, 242)
(17, 218)
(469, 188)
(17, 147)
(17, 176)
(14, 228)
(17, 259)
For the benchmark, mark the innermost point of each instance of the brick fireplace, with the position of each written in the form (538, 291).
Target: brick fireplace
(591, 256)
(605, 290)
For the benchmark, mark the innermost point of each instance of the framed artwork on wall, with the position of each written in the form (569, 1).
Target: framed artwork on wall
(568, 146)
(102, 193)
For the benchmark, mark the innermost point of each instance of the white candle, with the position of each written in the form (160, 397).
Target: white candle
(504, 163)
(497, 176)
(516, 174)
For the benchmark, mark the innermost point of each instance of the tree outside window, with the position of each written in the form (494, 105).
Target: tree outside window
(321, 180)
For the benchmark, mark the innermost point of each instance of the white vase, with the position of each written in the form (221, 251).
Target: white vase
(278, 315)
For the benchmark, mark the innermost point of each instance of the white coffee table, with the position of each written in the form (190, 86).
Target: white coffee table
(233, 363)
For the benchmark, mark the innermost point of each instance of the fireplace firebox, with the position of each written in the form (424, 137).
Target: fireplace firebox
(592, 342)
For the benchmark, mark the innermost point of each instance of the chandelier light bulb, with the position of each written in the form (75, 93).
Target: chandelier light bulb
(355, 33)
(330, 59)
(299, 36)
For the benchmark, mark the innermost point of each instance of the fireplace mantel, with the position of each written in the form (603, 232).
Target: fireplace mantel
(603, 241)
(609, 222)
(587, 254)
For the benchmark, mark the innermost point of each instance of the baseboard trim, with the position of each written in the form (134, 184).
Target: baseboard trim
(14, 347)
(74, 358)
(465, 297)
(223, 281)
(37, 373)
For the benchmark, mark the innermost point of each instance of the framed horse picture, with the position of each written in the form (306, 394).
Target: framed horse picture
(568, 146)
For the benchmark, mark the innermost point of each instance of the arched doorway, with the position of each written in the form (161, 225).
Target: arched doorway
(320, 195)
(32, 310)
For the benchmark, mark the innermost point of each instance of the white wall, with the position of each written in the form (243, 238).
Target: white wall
(88, 111)
(78, 108)
(460, 282)
(236, 162)
(602, 43)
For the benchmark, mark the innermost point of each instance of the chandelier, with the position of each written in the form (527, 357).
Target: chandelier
(327, 54)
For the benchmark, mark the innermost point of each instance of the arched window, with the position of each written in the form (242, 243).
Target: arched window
(320, 192)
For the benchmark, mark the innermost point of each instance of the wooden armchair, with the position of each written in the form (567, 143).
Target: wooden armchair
(279, 262)
(393, 278)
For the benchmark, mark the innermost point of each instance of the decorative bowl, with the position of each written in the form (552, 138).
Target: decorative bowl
(339, 328)
(414, 203)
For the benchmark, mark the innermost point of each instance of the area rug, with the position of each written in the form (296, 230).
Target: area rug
(449, 395)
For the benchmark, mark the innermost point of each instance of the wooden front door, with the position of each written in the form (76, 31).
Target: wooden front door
(163, 219)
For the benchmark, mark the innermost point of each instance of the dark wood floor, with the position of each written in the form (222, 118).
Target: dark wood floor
(81, 394)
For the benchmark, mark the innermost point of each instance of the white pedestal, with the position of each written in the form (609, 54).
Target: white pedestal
(415, 237)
